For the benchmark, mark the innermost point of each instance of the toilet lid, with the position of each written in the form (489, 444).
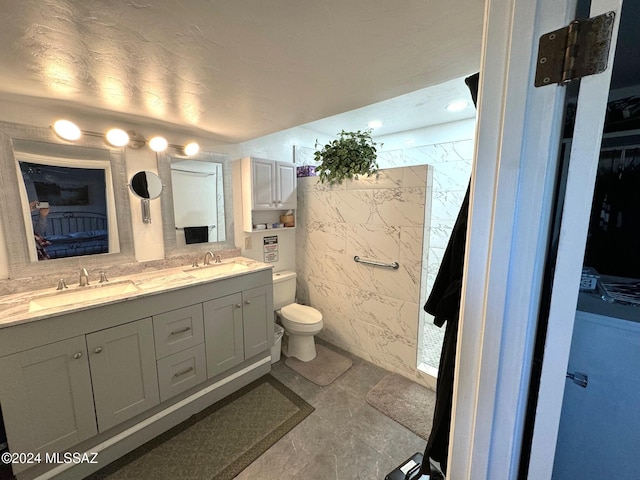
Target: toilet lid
(301, 313)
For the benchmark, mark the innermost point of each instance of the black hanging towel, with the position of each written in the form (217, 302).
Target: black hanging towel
(196, 234)
(444, 304)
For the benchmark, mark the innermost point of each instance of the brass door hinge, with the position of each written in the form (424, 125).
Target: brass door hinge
(575, 51)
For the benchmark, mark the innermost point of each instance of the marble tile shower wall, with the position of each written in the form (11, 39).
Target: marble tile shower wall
(372, 312)
(447, 184)
(451, 164)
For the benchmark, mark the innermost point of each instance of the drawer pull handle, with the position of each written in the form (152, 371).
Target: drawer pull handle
(77, 355)
(182, 330)
(248, 302)
(238, 305)
(184, 372)
(98, 350)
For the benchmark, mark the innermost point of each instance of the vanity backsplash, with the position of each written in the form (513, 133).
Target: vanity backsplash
(25, 284)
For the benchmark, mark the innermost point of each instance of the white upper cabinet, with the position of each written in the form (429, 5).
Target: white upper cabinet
(273, 184)
(267, 186)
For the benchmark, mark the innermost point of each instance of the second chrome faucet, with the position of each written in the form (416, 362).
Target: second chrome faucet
(210, 256)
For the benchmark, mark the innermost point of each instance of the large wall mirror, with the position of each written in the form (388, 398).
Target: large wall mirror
(60, 201)
(197, 205)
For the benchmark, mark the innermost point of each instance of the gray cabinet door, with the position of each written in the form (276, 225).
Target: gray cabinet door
(46, 397)
(257, 311)
(223, 333)
(123, 371)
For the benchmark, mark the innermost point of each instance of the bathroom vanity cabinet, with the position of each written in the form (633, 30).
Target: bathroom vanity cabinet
(74, 380)
(269, 189)
(238, 327)
(55, 387)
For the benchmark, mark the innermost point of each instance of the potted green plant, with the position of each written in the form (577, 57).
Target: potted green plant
(352, 154)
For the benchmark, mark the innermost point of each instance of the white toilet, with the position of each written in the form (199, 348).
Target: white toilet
(300, 322)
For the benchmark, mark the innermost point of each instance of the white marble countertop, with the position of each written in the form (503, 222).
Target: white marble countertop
(24, 307)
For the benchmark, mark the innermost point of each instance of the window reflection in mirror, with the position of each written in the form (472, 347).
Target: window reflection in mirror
(198, 202)
(66, 206)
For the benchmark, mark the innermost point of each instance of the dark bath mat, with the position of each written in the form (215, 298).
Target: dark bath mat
(406, 402)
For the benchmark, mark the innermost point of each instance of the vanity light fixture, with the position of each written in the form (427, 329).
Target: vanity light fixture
(191, 148)
(158, 144)
(67, 130)
(457, 106)
(117, 137)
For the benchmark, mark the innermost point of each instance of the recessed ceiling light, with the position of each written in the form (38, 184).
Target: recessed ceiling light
(457, 106)
(375, 124)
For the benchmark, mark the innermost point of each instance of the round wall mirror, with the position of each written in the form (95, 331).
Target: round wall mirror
(146, 185)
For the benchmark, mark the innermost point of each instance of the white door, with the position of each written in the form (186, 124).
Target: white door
(598, 434)
(513, 182)
(590, 435)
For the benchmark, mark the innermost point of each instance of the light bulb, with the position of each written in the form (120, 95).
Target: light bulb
(158, 144)
(457, 106)
(67, 130)
(117, 137)
(191, 148)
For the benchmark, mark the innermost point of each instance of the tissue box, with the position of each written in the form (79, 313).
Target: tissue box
(287, 220)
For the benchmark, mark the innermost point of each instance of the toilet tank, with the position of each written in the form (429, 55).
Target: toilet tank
(284, 289)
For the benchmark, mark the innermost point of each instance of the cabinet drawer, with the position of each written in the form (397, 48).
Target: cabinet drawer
(181, 371)
(178, 330)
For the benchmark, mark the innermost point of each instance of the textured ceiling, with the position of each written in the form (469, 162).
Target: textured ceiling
(233, 69)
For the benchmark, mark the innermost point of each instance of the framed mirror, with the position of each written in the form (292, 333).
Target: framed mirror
(60, 201)
(197, 207)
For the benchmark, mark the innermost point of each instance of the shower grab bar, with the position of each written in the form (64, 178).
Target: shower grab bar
(394, 265)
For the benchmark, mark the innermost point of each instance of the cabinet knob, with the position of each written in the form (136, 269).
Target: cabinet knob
(98, 350)
(238, 305)
(247, 302)
(77, 355)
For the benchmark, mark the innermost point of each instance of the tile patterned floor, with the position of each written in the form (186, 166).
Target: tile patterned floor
(344, 439)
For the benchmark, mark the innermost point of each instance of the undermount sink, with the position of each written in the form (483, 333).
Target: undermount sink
(81, 294)
(216, 269)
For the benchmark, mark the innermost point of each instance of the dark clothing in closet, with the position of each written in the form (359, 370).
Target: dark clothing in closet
(614, 230)
(444, 304)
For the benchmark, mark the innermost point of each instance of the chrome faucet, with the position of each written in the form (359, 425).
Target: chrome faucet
(207, 258)
(61, 284)
(218, 259)
(84, 277)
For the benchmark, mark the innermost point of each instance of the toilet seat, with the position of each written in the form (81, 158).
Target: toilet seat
(301, 318)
